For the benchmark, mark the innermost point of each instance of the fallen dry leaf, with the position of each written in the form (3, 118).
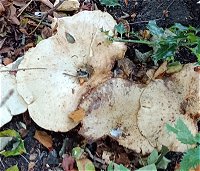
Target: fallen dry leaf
(68, 163)
(7, 61)
(13, 15)
(77, 115)
(44, 139)
(2, 9)
(160, 71)
(31, 166)
(46, 32)
(126, 2)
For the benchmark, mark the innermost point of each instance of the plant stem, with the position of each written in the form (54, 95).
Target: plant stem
(133, 41)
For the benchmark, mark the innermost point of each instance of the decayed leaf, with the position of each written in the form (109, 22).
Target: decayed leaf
(1, 8)
(77, 115)
(160, 70)
(85, 165)
(13, 15)
(7, 61)
(44, 139)
(174, 67)
(68, 163)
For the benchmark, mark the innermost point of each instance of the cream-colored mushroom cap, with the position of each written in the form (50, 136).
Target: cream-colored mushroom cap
(53, 93)
(11, 103)
(115, 104)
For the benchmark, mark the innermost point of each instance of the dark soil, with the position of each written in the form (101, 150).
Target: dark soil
(166, 13)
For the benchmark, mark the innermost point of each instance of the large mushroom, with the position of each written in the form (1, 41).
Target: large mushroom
(114, 105)
(141, 112)
(67, 65)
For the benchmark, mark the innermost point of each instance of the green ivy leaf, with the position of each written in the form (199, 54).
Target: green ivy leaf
(13, 168)
(182, 132)
(153, 157)
(191, 159)
(85, 165)
(110, 3)
(17, 143)
(197, 138)
(151, 167)
(9, 133)
(154, 29)
(163, 163)
(120, 29)
(77, 152)
(115, 167)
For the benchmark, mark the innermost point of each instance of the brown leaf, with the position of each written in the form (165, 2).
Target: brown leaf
(19, 3)
(126, 2)
(2, 9)
(31, 166)
(13, 15)
(77, 115)
(68, 163)
(7, 61)
(46, 32)
(44, 139)
(160, 71)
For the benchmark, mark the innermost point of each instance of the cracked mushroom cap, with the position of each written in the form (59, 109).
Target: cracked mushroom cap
(11, 103)
(186, 84)
(114, 105)
(159, 106)
(79, 48)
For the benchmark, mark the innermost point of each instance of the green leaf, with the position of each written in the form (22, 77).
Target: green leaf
(174, 67)
(151, 167)
(120, 29)
(164, 150)
(163, 163)
(85, 165)
(18, 150)
(182, 132)
(17, 143)
(110, 3)
(197, 138)
(77, 152)
(153, 157)
(154, 29)
(163, 52)
(9, 133)
(13, 168)
(115, 167)
(180, 27)
(191, 159)
(171, 129)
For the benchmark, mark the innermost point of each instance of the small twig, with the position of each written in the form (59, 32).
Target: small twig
(45, 15)
(37, 20)
(24, 7)
(3, 101)
(2, 163)
(19, 69)
(94, 157)
(146, 21)
(24, 158)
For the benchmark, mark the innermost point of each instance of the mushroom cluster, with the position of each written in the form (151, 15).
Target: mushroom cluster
(71, 71)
